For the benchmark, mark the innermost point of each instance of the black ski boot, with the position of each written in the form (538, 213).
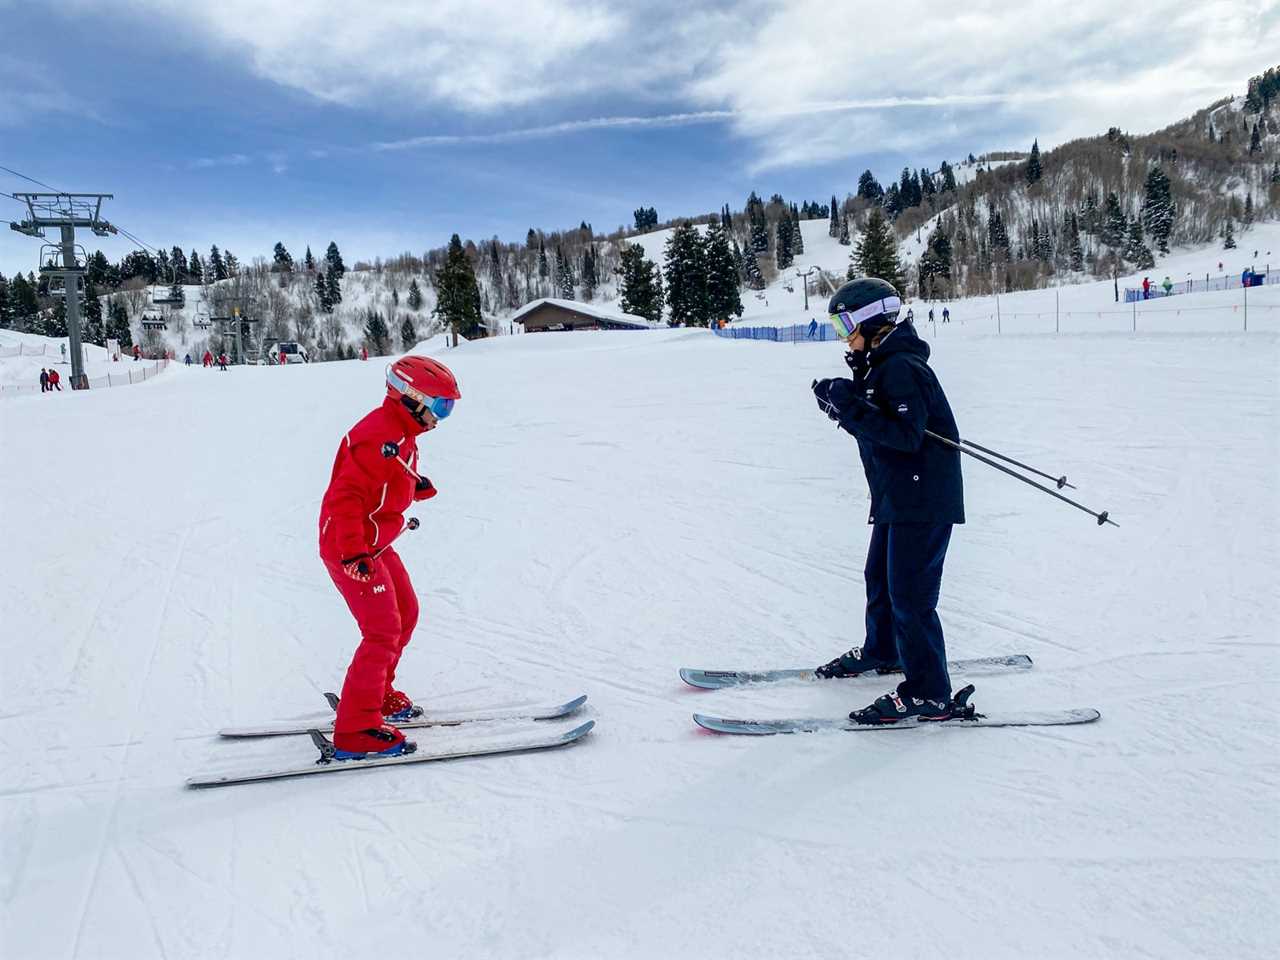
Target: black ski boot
(853, 663)
(894, 707)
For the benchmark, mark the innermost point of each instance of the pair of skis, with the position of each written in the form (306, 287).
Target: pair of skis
(965, 715)
(485, 735)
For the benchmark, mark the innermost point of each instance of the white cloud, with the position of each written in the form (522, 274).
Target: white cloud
(1042, 68)
(809, 82)
(229, 160)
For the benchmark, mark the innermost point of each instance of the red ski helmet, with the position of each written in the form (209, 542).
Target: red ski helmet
(421, 383)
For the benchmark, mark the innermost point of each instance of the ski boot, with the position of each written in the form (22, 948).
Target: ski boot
(895, 707)
(397, 708)
(384, 741)
(853, 663)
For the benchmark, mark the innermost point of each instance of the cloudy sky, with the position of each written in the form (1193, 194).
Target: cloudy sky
(388, 126)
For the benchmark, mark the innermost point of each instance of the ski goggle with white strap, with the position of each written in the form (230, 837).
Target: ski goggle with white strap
(440, 407)
(845, 322)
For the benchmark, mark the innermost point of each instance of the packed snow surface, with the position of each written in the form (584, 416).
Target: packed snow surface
(612, 506)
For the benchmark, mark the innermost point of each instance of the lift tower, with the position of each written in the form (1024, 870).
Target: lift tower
(66, 211)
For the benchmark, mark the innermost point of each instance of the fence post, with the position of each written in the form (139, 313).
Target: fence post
(1135, 316)
(1246, 308)
(997, 313)
(1056, 321)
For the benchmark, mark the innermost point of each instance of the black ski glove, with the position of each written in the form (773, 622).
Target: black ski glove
(857, 361)
(423, 490)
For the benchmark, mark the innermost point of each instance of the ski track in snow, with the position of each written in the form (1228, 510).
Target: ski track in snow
(614, 506)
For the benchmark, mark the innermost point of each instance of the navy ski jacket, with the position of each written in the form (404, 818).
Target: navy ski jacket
(889, 404)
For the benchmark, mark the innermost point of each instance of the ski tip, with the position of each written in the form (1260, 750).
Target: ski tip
(333, 701)
(574, 704)
(702, 679)
(578, 732)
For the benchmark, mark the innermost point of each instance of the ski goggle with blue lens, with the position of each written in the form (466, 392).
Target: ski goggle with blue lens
(845, 322)
(440, 407)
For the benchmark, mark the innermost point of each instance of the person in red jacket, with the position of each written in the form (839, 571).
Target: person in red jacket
(375, 478)
(207, 359)
(54, 377)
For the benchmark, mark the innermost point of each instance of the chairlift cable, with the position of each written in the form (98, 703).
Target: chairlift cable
(40, 183)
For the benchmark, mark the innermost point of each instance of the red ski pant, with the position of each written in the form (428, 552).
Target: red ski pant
(386, 609)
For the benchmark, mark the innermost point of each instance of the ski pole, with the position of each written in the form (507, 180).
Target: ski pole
(1060, 481)
(1100, 517)
(391, 450)
(410, 524)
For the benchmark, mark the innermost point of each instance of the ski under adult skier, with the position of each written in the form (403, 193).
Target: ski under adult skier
(916, 497)
(375, 479)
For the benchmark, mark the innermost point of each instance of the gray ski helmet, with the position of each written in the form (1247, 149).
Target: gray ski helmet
(868, 302)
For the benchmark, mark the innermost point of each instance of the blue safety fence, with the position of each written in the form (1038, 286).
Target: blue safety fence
(1224, 282)
(796, 333)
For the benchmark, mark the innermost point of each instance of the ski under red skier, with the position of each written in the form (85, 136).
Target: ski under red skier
(375, 479)
(916, 497)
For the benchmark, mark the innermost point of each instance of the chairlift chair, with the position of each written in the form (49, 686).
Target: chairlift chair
(170, 296)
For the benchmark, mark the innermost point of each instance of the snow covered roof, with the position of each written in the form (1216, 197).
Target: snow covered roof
(587, 309)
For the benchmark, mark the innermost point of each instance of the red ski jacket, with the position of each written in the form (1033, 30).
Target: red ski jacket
(363, 509)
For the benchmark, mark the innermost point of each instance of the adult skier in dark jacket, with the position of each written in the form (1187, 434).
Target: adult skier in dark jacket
(916, 498)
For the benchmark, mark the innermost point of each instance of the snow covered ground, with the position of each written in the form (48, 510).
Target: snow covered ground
(613, 506)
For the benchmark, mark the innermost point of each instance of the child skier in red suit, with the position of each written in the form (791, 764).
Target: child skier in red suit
(375, 479)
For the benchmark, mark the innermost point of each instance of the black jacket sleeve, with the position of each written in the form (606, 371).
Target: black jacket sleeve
(902, 428)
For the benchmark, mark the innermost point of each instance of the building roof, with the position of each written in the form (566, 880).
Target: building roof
(585, 309)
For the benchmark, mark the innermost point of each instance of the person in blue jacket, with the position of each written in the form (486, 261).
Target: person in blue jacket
(916, 498)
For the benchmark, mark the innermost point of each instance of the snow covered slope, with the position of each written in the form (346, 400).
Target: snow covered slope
(613, 506)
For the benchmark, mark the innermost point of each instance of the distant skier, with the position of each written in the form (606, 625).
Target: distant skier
(946, 314)
(54, 377)
(44, 380)
(813, 328)
(375, 478)
(207, 359)
(137, 352)
(187, 360)
(1146, 288)
(222, 361)
(931, 314)
(916, 497)
(364, 352)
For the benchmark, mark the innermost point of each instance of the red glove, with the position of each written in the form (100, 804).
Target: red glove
(423, 490)
(359, 568)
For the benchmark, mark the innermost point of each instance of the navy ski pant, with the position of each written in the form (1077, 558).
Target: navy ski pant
(904, 575)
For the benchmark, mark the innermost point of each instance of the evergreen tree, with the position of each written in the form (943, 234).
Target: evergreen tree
(217, 269)
(322, 293)
(1033, 169)
(782, 250)
(1075, 251)
(640, 286)
(458, 293)
(1212, 136)
(833, 228)
(118, 324)
(177, 264)
(93, 330)
(997, 235)
(375, 332)
(876, 254)
(685, 269)
(1255, 141)
(797, 235)
(195, 269)
(751, 270)
(281, 258)
(723, 300)
(948, 177)
(55, 321)
(408, 334)
(926, 181)
(415, 295)
(726, 219)
(233, 265)
(1275, 172)
(758, 223)
(333, 261)
(6, 308)
(1113, 227)
(308, 261)
(564, 275)
(843, 237)
(333, 285)
(544, 269)
(24, 305)
(1157, 208)
(869, 188)
(590, 279)
(1136, 250)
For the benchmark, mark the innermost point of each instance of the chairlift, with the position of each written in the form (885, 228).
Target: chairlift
(202, 321)
(51, 255)
(157, 322)
(171, 296)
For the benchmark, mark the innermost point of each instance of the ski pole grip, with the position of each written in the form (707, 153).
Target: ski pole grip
(390, 449)
(412, 523)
